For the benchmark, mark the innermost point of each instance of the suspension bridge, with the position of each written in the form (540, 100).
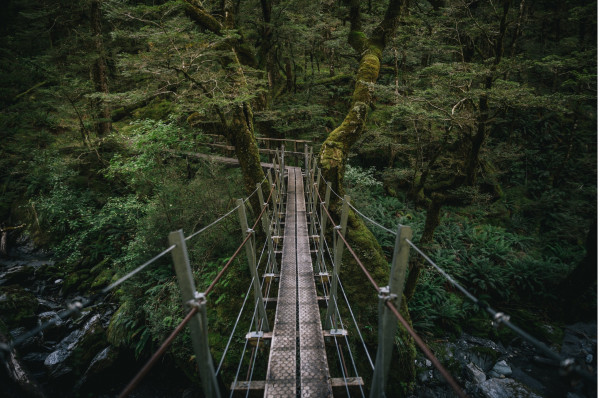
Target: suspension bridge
(300, 261)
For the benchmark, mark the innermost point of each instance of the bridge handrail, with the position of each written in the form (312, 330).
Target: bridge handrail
(140, 375)
(436, 363)
(498, 318)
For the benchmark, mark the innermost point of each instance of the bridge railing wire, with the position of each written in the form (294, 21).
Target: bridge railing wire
(140, 375)
(567, 364)
(420, 343)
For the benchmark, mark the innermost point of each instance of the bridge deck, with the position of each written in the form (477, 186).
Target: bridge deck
(297, 362)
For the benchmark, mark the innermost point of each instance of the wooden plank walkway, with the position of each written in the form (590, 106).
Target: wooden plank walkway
(297, 362)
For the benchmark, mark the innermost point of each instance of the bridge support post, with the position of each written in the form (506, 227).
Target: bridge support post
(387, 320)
(305, 158)
(199, 323)
(251, 254)
(324, 206)
(331, 319)
(282, 163)
(276, 200)
(267, 228)
(313, 209)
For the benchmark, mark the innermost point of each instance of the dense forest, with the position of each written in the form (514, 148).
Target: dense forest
(474, 122)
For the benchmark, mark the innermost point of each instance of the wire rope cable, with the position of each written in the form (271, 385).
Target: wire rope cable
(327, 301)
(217, 221)
(328, 250)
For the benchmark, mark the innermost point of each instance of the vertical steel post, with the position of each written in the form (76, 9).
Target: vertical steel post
(387, 320)
(315, 197)
(199, 323)
(324, 219)
(275, 227)
(267, 228)
(282, 163)
(305, 158)
(251, 254)
(331, 317)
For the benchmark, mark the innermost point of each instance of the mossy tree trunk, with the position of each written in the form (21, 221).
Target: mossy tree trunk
(332, 160)
(238, 124)
(99, 72)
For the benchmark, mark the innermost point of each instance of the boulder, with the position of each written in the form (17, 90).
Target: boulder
(19, 383)
(17, 275)
(57, 329)
(17, 306)
(505, 388)
(475, 374)
(75, 351)
(102, 361)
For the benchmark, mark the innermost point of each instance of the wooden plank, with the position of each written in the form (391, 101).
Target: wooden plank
(253, 389)
(354, 384)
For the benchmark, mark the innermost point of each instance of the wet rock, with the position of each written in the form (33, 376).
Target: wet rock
(502, 369)
(75, 350)
(56, 328)
(18, 332)
(102, 361)
(505, 388)
(475, 374)
(35, 357)
(580, 341)
(20, 383)
(18, 275)
(47, 305)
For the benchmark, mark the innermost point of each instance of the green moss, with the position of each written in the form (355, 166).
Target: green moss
(156, 110)
(17, 306)
(368, 71)
(103, 279)
(100, 267)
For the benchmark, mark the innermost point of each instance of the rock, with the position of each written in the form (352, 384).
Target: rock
(35, 357)
(16, 333)
(20, 381)
(17, 306)
(502, 368)
(424, 376)
(47, 305)
(18, 275)
(505, 388)
(474, 373)
(76, 350)
(55, 330)
(580, 340)
(102, 361)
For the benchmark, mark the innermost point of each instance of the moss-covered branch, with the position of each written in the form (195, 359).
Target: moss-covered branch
(333, 157)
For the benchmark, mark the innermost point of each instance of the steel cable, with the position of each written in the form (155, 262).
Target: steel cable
(328, 249)
(501, 318)
(318, 223)
(136, 380)
(436, 363)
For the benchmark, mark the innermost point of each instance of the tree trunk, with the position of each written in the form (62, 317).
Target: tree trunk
(99, 72)
(239, 123)
(332, 160)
